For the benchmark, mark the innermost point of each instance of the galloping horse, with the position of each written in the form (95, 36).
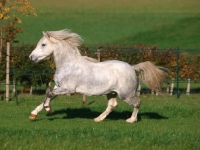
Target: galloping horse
(74, 73)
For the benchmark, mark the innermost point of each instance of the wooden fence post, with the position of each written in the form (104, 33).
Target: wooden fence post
(188, 88)
(152, 92)
(156, 93)
(167, 90)
(14, 89)
(99, 54)
(139, 89)
(172, 87)
(84, 99)
(7, 71)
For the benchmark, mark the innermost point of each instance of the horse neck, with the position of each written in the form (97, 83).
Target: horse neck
(65, 56)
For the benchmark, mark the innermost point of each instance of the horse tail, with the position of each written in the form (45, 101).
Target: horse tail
(150, 75)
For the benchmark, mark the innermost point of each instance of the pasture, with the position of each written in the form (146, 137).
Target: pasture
(164, 123)
(166, 24)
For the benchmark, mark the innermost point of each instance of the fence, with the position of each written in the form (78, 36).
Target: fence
(183, 67)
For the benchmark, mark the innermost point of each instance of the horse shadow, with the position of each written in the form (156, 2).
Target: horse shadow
(87, 113)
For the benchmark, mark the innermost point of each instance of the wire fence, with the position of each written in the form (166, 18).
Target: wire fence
(183, 68)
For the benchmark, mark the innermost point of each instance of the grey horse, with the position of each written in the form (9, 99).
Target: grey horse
(74, 73)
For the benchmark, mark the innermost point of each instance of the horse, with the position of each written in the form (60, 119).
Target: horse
(92, 60)
(74, 73)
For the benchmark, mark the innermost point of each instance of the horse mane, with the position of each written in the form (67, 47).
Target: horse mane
(64, 35)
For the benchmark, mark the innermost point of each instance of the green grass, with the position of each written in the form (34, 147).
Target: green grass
(166, 24)
(164, 123)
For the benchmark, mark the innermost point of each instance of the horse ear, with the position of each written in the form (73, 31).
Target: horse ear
(46, 34)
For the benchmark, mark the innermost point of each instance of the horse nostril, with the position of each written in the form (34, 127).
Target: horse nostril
(33, 58)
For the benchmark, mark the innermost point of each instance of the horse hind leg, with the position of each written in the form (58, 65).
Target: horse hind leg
(136, 103)
(112, 103)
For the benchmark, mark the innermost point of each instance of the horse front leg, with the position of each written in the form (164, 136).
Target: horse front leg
(58, 91)
(35, 112)
(45, 104)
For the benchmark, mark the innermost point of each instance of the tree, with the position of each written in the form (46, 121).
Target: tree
(10, 10)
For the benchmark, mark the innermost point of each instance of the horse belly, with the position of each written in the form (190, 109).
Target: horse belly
(94, 90)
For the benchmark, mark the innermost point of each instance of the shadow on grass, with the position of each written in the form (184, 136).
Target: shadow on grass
(88, 113)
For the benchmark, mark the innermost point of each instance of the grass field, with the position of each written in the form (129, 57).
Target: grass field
(164, 123)
(166, 24)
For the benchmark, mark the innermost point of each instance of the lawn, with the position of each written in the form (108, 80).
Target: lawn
(164, 123)
(166, 24)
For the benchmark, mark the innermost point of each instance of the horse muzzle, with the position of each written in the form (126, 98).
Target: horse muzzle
(33, 58)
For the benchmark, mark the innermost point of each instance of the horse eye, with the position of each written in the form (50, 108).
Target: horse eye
(43, 45)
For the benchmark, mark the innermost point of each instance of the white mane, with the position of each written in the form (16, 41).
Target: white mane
(64, 35)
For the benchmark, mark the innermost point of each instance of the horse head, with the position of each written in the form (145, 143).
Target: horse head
(43, 50)
(55, 40)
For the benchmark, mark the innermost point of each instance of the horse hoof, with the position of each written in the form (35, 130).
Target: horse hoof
(48, 110)
(131, 120)
(97, 120)
(32, 116)
(48, 113)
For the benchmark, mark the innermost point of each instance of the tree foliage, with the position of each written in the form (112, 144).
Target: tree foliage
(10, 11)
(11, 31)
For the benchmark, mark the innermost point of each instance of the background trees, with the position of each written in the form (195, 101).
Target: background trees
(10, 11)
(36, 74)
